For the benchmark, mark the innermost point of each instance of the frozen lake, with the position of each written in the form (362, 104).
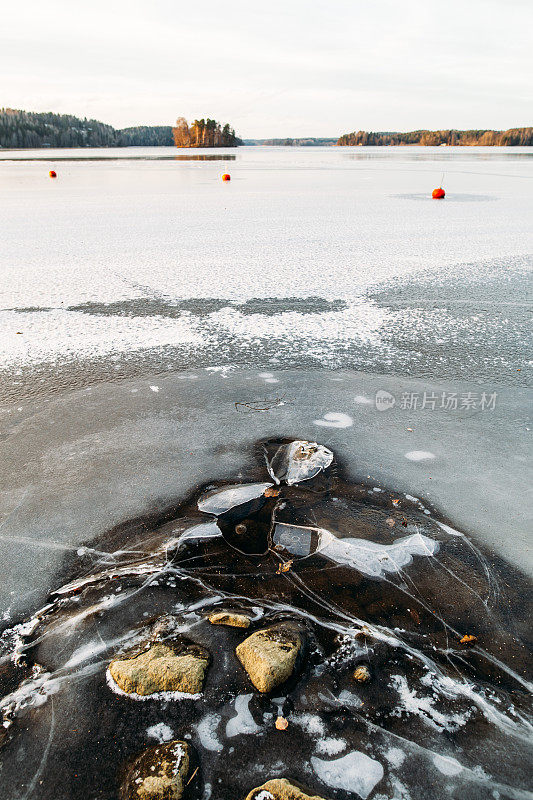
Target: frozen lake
(138, 263)
(144, 257)
(156, 325)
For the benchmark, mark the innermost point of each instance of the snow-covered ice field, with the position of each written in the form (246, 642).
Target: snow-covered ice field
(309, 257)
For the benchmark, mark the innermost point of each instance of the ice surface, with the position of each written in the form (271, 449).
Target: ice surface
(354, 772)
(217, 502)
(111, 454)
(372, 558)
(447, 765)
(352, 269)
(298, 461)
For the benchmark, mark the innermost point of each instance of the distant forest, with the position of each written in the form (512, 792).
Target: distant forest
(310, 141)
(484, 138)
(20, 129)
(203, 133)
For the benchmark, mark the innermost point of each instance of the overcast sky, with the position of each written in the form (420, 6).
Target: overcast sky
(273, 67)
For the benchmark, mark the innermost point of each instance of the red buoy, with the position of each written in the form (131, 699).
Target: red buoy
(438, 194)
(226, 177)
(53, 173)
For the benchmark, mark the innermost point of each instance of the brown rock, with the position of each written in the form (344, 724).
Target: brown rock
(162, 668)
(269, 655)
(362, 674)
(229, 618)
(280, 789)
(159, 773)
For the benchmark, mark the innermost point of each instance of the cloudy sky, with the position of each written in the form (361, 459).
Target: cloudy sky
(274, 68)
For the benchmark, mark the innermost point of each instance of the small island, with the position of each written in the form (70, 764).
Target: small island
(204, 133)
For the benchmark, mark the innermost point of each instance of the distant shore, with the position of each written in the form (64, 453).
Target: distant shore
(20, 130)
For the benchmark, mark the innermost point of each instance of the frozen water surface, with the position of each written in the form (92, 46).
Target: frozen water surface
(159, 327)
(310, 256)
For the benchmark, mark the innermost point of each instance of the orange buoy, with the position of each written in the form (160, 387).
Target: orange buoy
(438, 194)
(53, 173)
(226, 177)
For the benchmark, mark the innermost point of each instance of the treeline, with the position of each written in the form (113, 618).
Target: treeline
(19, 129)
(310, 141)
(27, 129)
(482, 138)
(204, 133)
(146, 136)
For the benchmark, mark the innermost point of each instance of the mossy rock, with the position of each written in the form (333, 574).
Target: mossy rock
(163, 667)
(159, 773)
(230, 619)
(269, 655)
(280, 789)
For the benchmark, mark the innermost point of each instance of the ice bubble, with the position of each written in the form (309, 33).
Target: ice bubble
(354, 772)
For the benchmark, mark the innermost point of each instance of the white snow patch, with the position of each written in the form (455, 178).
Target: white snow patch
(243, 722)
(334, 419)
(419, 455)
(354, 772)
(310, 723)
(179, 752)
(207, 733)
(154, 388)
(395, 757)
(161, 732)
(362, 400)
(331, 747)
(424, 707)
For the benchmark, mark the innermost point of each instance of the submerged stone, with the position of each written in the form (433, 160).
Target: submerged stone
(362, 674)
(159, 773)
(280, 789)
(230, 619)
(162, 668)
(269, 655)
